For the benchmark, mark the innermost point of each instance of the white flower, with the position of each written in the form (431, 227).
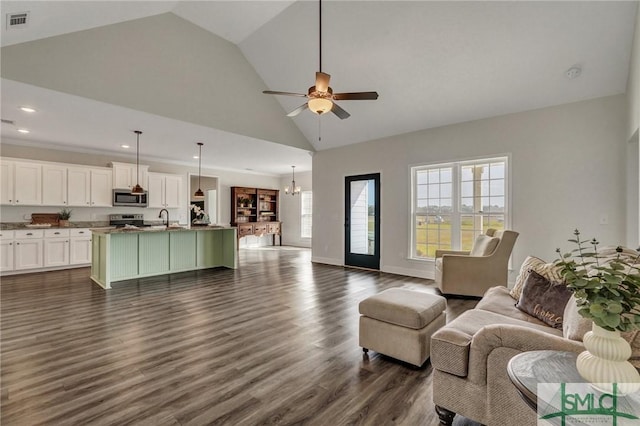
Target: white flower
(197, 210)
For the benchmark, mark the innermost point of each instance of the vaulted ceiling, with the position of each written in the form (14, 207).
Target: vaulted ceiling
(433, 64)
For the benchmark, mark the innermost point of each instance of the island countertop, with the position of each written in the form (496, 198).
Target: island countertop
(156, 228)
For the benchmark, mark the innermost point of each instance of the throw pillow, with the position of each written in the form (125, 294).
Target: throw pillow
(532, 263)
(544, 299)
(484, 245)
(574, 325)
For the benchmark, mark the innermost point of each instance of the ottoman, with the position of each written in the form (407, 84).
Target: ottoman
(399, 322)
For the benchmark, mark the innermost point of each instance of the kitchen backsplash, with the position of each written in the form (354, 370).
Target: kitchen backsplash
(9, 214)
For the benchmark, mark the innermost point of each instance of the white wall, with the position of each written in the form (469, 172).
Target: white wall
(633, 123)
(633, 82)
(227, 179)
(290, 208)
(633, 192)
(568, 171)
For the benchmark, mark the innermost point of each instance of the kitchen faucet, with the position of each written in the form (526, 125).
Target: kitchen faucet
(167, 212)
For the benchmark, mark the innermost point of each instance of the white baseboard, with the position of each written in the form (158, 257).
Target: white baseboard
(418, 273)
(327, 261)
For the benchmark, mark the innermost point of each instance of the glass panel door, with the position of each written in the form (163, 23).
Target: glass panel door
(362, 221)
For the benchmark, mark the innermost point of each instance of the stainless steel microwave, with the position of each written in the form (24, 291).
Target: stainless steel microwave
(124, 197)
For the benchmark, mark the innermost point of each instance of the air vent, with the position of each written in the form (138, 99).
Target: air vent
(5, 121)
(17, 20)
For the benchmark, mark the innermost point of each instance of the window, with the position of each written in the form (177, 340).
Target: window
(452, 203)
(305, 214)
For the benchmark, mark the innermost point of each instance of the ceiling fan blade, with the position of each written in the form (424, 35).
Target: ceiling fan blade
(322, 81)
(271, 92)
(357, 96)
(342, 114)
(298, 110)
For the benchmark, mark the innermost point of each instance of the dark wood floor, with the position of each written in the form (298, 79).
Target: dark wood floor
(274, 342)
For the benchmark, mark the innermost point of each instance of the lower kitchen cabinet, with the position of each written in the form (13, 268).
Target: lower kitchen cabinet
(31, 250)
(6, 251)
(56, 252)
(56, 247)
(79, 251)
(28, 254)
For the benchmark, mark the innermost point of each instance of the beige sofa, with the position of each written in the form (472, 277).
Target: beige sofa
(470, 355)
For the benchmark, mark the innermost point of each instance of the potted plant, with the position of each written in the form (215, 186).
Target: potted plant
(63, 217)
(201, 218)
(607, 291)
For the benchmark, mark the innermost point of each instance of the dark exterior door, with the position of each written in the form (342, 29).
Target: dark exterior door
(362, 221)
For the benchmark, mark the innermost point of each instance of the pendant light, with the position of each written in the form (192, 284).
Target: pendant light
(199, 193)
(293, 189)
(137, 190)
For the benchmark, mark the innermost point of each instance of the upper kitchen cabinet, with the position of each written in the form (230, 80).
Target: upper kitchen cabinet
(164, 190)
(6, 182)
(89, 187)
(54, 185)
(21, 183)
(124, 175)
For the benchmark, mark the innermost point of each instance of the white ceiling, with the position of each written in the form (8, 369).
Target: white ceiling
(433, 63)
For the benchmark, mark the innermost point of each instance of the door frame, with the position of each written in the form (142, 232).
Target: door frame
(366, 261)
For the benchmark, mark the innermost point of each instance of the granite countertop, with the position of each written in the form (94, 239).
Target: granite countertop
(10, 226)
(158, 228)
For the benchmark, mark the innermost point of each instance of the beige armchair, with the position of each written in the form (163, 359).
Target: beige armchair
(472, 273)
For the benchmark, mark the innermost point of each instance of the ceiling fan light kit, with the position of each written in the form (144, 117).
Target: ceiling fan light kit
(321, 97)
(320, 105)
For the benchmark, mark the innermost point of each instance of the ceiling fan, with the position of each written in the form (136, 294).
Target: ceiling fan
(321, 96)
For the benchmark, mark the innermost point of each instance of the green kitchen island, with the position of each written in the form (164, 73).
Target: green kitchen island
(125, 254)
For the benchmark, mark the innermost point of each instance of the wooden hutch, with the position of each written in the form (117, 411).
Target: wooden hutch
(254, 211)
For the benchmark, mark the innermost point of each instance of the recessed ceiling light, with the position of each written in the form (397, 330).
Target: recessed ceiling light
(196, 157)
(23, 130)
(27, 109)
(124, 146)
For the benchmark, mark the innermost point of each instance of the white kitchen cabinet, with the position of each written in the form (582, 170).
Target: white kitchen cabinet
(56, 252)
(124, 175)
(80, 246)
(56, 247)
(21, 183)
(6, 182)
(54, 185)
(6, 251)
(28, 254)
(28, 249)
(79, 187)
(89, 187)
(164, 190)
(101, 188)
